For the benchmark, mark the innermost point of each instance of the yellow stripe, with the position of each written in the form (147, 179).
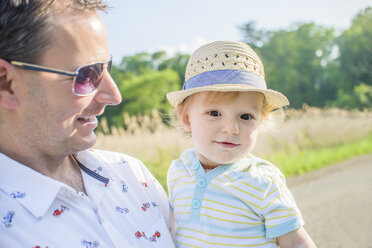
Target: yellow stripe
(249, 185)
(177, 185)
(279, 217)
(183, 162)
(214, 243)
(182, 213)
(171, 181)
(278, 187)
(260, 173)
(217, 235)
(180, 206)
(259, 198)
(179, 242)
(245, 192)
(239, 198)
(273, 200)
(253, 186)
(183, 198)
(177, 171)
(225, 212)
(248, 202)
(232, 221)
(230, 206)
(228, 177)
(277, 210)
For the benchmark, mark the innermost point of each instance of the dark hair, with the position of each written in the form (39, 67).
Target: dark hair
(25, 26)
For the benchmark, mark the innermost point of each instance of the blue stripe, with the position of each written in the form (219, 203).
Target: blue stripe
(284, 228)
(225, 229)
(92, 173)
(225, 77)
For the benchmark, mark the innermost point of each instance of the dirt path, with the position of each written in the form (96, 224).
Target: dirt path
(336, 203)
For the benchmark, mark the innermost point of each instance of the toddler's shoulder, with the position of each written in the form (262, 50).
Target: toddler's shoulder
(264, 168)
(183, 161)
(259, 173)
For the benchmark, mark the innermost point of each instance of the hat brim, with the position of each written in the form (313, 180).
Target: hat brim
(273, 98)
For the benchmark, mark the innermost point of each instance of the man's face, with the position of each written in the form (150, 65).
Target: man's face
(52, 119)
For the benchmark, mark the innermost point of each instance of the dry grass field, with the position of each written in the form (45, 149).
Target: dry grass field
(309, 129)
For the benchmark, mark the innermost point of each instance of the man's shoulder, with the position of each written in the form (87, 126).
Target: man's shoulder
(111, 159)
(108, 156)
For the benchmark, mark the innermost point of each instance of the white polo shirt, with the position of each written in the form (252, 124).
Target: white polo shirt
(124, 207)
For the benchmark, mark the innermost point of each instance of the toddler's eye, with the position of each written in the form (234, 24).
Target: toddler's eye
(246, 117)
(214, 113)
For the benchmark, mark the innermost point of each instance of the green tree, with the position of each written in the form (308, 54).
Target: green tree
(355, 46)
(177, 63)
(350, 75)
(141, 63)
(137, 64)
(360, 97)
(142, 94)
(295, 62)
(148, 91)
(112, 113)
(256, 38)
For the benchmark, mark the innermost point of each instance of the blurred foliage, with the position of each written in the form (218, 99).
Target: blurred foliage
(143, 80)
(360, 96)
(295, 62)
(310, 64)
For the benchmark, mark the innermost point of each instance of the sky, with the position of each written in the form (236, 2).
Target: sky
(182, 26)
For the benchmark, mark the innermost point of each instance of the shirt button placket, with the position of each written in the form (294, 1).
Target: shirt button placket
(196, 204)
(195, 166)
(202, 183)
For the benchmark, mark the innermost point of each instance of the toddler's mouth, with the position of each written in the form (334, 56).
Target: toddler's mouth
(227, 144)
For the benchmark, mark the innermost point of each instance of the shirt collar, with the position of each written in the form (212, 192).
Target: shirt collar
(33, 190)
(37, 192)
(95, 173)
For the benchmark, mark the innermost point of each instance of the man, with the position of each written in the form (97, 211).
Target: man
(54, 82)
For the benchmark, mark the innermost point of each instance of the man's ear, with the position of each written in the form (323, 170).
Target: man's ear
(8, 98)
(184, 119)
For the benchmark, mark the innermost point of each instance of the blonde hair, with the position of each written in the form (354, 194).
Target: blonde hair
(269, 114)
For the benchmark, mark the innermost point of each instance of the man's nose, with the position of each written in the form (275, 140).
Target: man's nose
(108, 92)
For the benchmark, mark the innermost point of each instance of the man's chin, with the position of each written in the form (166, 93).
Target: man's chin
(86, 143)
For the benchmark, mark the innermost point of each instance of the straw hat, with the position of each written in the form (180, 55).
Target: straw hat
(225, 66)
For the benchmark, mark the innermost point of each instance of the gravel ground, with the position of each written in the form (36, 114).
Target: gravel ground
(336, 203)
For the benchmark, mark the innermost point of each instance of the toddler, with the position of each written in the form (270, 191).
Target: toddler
(222, 195)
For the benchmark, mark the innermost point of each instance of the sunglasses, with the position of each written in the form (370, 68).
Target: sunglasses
(86, 79)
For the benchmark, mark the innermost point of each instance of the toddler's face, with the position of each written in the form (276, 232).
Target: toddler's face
(224, 131)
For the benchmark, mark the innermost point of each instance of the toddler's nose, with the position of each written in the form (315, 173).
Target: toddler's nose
(230, 127)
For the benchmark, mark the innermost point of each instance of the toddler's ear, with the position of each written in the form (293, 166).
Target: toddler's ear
(184, 119)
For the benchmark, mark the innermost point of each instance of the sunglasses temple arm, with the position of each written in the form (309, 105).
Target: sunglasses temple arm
(42, 68)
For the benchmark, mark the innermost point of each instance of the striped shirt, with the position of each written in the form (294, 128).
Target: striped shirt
(245, 204)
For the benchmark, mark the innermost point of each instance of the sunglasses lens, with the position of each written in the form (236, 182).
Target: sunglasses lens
(109, 65)
(88, 79)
